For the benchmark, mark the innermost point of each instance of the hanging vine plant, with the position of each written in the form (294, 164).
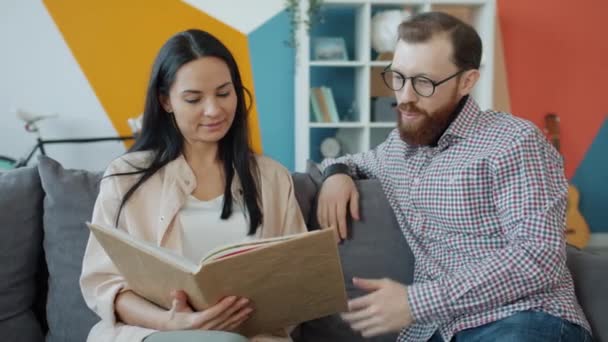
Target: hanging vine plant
(313, 15)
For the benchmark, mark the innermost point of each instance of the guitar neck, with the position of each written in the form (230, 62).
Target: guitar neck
(555, 142)
(552, 129)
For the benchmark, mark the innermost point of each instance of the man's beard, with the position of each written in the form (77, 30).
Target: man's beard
(428, 129)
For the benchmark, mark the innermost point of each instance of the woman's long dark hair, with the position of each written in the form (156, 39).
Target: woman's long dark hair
(160, 134)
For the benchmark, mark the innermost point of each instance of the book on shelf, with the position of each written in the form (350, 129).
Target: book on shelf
(331, 104)
(323, 105)
(289, 279)
(317, 116)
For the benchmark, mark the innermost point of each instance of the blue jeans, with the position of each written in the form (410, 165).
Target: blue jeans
(526, 326)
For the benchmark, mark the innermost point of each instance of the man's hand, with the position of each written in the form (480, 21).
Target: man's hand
(385, 309)
(336, 192)
(227, 315)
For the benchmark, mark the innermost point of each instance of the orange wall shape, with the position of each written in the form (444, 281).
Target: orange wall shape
(115, 43)
(557, 61)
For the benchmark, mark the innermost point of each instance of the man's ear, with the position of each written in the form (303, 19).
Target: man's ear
(166, 103)
(467, 82)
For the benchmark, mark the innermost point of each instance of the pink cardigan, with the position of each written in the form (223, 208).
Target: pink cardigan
(150, 214)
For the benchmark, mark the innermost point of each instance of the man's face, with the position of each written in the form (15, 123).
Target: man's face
(422, 120)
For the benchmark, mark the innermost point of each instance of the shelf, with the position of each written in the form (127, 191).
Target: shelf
(376, 64)
(336, 34)
(356, 84)
(598, 240)
(352, 125)
(383, 124)
(379, 63)
(460, 2)
(399, 3)
(344, 2)
(344, 84)
(352, 64)
(336, 125)
(350, 137)
(405, 3)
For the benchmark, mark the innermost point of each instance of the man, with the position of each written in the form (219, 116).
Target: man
(479, 195)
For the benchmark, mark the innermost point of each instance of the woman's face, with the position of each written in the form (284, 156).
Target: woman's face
(203, 100)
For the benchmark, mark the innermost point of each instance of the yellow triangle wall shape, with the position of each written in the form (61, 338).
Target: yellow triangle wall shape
(115, 42)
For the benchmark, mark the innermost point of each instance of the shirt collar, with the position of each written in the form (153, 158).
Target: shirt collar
(467, 113)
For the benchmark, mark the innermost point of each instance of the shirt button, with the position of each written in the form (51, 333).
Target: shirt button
(162, 218)
(187, 182)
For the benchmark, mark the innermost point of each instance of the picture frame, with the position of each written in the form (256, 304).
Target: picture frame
(329, 48)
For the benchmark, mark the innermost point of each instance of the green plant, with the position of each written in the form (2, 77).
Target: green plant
(313, 15)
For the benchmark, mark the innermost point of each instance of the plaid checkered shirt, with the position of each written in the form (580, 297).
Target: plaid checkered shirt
(484, 215)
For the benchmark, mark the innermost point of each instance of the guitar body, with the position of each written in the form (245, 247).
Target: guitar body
(577, 230)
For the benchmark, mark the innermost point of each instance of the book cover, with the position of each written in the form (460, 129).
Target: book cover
(289, 279)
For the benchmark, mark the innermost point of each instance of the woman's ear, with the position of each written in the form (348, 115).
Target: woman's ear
(166, 103)
(468, 81)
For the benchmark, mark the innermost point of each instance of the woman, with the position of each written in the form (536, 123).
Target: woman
(189, 183)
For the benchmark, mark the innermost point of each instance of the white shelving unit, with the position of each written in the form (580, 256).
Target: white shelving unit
(351, 80)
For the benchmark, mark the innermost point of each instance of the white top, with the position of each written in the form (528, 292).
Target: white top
(204, 230)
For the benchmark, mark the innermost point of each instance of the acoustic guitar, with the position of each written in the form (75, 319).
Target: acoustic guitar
(577, 230)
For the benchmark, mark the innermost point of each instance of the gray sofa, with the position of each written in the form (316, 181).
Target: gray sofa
(42, 241)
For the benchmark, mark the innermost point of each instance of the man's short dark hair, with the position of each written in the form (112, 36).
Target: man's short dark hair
(465, 40)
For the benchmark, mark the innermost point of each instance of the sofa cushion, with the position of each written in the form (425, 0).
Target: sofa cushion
(68, 204)
(305, 191)
(590, 273)
(23, 327)
(317, 179)
(20, 252)
(375, 248)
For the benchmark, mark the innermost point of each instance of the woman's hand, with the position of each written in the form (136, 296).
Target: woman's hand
(227, 315)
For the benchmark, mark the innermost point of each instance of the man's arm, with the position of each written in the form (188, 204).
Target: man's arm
(530, 196)
(338, 189)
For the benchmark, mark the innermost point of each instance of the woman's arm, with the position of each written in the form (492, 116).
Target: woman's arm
(228, 314)
(134, 310)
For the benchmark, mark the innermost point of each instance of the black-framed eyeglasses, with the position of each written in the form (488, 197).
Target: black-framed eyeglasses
(422, 85)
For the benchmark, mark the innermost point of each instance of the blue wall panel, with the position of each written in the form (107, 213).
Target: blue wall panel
(273, 74)
(591, 179)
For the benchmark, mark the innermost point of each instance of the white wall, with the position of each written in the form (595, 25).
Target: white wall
(249, 16)
(39, 73)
